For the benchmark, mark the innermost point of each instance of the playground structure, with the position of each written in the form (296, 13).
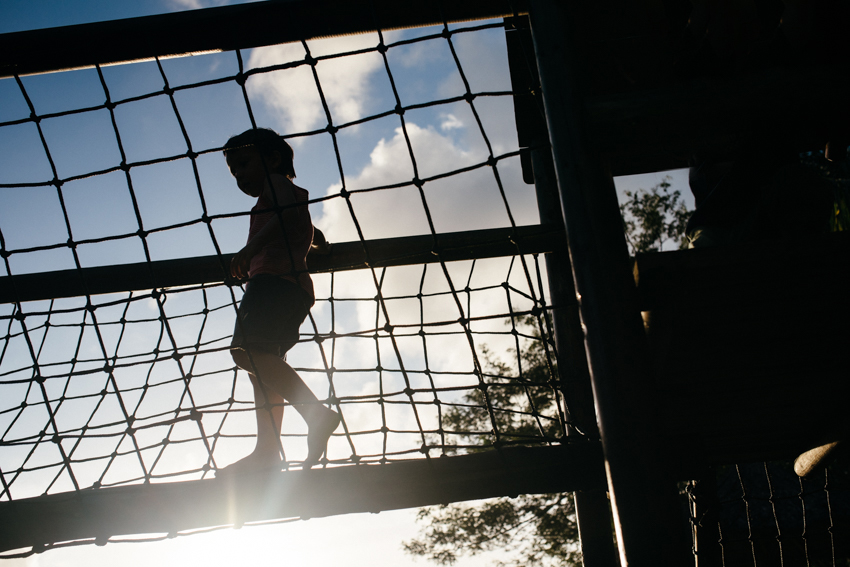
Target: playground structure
(740, 359)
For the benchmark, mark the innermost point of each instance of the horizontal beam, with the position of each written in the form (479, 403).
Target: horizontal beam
(660, 129)
(746, 344)
(447, 247)
(226, 28)
(173, 507)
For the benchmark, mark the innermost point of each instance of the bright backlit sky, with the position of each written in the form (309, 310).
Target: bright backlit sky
(443, 138)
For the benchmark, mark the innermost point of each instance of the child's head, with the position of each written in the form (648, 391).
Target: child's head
(267, 142)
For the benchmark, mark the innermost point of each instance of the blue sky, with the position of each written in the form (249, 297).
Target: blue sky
(167, 195)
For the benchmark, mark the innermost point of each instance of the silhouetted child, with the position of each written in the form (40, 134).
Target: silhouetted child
(278, 296)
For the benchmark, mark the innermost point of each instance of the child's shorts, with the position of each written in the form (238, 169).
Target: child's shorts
(270, 315)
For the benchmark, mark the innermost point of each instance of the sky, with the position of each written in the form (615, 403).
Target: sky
(169, 200)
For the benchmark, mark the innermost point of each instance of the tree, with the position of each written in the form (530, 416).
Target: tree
(654, 217)
(539, 529)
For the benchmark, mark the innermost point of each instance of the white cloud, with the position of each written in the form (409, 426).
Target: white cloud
(467, 201)
(292, 93)
(185, 4)
(450, 122)
(195, 4)
(460, 202)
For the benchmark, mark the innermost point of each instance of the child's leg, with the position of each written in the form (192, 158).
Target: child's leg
(280, 378)
(269, 413)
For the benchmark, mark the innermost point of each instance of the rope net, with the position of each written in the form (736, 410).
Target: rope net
(762, 514)
(138, 386)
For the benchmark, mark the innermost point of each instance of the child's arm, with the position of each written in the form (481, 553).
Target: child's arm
(283, 195)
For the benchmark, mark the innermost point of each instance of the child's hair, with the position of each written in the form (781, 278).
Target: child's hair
(266, 141)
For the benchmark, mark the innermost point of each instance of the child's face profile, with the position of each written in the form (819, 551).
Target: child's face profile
(251, 169)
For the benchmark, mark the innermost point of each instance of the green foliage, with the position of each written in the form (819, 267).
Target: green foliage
(523, 402)
(652, 218)
(539, 529)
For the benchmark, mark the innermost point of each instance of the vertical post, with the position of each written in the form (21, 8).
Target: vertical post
(593, 513)
(704, 517)
(592, 509)
(649, 524)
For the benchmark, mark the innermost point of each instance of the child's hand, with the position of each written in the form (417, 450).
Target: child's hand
(321, 248)
(320, 244)
(241, 262)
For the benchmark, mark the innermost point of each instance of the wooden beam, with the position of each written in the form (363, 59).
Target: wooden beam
(815, 459)
(647, 515)
(659, 129)
(593, 512)
(226, 28)
(747, 344)
(658, 123)
(173, 507)
(403, 251)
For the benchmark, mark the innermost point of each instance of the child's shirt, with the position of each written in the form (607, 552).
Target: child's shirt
(286, 256)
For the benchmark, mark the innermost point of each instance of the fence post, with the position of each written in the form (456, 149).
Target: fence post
(649, 523)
